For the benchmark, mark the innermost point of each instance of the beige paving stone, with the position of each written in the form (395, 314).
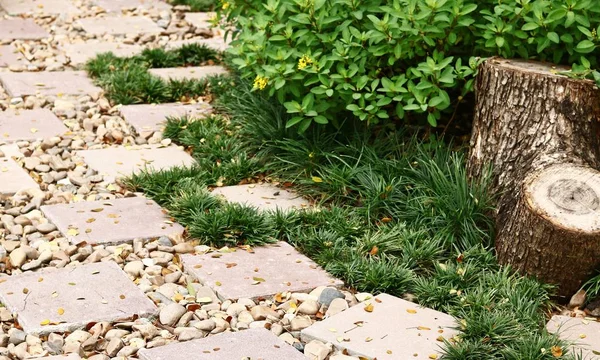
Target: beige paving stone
(118, 5)
(61, 300)
(29, 125)
(584, 334)
(10, 56)
(281, 267)
(14, 178)
(111, 222)
(81, 53)
(119, 25)
(195, 72)
(262, 196)
(48, 83)
(151, 117)
(16, 7)
(21, 29)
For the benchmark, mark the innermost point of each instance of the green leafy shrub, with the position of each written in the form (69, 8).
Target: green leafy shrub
(401, 59)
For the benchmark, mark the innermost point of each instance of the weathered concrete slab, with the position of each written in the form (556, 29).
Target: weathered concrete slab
(13, 177)
(394, 329)
(216, 43)
(111, 222)
(194, 72)
(11, 151)
(151, 117)
(266, 271)
(122, 161)
(119, 25)
(200, 19)
(118, 5)
(29, 125)
(60, 300)
(248, 344)
(48, 83)
(81, 53)
(9, 56)
(262, 196)
(16, 7)
(583, 333)
(21, 29)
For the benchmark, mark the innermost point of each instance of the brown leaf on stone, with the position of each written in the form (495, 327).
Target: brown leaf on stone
(90, 220)
(97, 210)
(230, 265)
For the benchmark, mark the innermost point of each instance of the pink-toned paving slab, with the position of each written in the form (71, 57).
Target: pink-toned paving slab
(117, 162)
(48, 83)
(29, 125)
(118, 5)
(195, 72)
(83, 294)
(119, 25)
(9, 56)
(151, 117)
(15, 7)
(395, 329)
(278, 268)
(583, 333)
(215, 43)
(21, 29)
(111, 222)
(81, 53)
(13, 177)
(262, 196)
(259, 344)
(200, 19)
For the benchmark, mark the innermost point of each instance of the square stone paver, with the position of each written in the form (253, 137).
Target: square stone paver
(280, 266)
(396, 329)
(117, 162)
(29, 125)
(118, 5)
(111, 222)
(81, 53)
(21, 29)
(216, 43)
(15, 7)
(119, 25)
(262, 196)
(151, 117)
(13, 177)
(193, 72)
(83, 294)
(584, 334)
(259, 344)
(48, 83)
(9, 56)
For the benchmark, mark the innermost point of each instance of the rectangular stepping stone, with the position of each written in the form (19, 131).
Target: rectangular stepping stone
(29, 125)
(150, 117)
(48, 83)
(117, 162)
(81, 53)
(61, 300)
(111, 222)
(266, 271)
(119, 25)
(21, 29)
(248, 344)
(14, 178)
(16, 7)
(200, 19)
(118, 5)
(193, 72)
(394, 329)
(10, 56)
(216, 43)
(583, 333)
(262, 196)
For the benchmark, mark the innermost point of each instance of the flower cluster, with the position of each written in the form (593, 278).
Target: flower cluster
(260, 82)
(225, 5)
(304, 61)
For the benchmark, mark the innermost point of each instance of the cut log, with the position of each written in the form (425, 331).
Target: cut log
(540, 132)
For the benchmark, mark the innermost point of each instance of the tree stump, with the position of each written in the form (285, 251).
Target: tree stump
(540, 132)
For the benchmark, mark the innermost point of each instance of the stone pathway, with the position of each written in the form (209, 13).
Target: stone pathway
(90, 270)
(584, 334)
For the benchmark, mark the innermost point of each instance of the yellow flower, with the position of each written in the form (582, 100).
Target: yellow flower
(260, 82)
(225, 5)
(304, 61)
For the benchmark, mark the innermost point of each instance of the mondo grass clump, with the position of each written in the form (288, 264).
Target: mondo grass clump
(126, 80)
(394, 214)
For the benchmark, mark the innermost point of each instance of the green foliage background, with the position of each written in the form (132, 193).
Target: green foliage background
(413, 60)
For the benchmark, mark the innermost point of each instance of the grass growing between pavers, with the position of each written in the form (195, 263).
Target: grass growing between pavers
(126, 80)
(398, 215)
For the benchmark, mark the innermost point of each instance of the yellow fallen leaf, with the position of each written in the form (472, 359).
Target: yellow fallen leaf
(90, 220)
(423, 328)
(34, 130)
(25, 290)
(60, 311)
(556, 351)
(72, 232)
(45, 322)
(389, 352)
(317, 179)
(218, 283)
(411, 311)
(54, 294)
(369, 308)
(369, 339)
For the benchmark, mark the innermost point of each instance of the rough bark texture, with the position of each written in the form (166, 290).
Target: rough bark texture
(527, 118)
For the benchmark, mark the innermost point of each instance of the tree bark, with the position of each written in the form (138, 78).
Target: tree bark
(532, 124)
